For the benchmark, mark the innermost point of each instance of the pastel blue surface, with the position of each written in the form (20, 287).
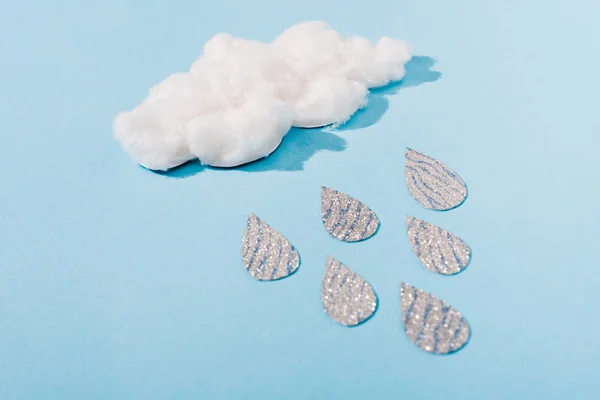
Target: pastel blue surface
(119, 283)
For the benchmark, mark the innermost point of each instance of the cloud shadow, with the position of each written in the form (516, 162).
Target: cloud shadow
(418, 72)
(186, 170)
(297, 147)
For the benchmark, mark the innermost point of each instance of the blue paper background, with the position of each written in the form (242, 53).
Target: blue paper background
(118, 283)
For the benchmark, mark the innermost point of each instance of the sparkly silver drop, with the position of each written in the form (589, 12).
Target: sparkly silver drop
(433, 184)
(266, 253)
(346, 218)
(438, 250)
(430, 323)
(347, 298)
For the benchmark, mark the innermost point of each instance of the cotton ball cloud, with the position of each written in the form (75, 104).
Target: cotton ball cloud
(241, 97)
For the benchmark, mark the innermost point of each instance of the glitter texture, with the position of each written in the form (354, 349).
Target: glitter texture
(431, 183)
(430, 323)
(346, 218)
(266, 253)
(347, 298)
(438, 250)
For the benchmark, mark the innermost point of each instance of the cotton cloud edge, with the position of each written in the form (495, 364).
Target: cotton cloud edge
(241, 97)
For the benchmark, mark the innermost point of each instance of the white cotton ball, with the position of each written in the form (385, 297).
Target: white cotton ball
(311, 49)
(393, 51)
(358, 59)
(239, 136)
(250, 67)
(183, 95)
(218, 46)
(374, 65)
(329, 101)
(393, 55)
(242, 96)
(153, 138)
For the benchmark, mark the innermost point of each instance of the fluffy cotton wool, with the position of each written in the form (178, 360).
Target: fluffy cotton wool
(241, 96)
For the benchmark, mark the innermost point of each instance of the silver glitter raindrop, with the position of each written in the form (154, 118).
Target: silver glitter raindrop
(266, 253)
(347, 297)
(438, 250)
(430, 323)
(346, 218)
(433, 184)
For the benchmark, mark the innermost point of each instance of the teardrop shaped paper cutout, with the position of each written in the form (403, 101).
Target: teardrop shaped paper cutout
(433, 184)
(438, 250)
(266, 253)
(346, 218)
(346, 296)
(430, 323)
